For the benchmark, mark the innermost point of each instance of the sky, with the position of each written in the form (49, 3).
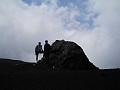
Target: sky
(92, 24)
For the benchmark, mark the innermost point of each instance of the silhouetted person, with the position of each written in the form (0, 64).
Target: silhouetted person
(38, 50)
(47, 49)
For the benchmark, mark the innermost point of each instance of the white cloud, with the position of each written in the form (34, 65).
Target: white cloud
(22, 26)
(109, 24)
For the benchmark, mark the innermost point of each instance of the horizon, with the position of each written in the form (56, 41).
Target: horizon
(92, 24)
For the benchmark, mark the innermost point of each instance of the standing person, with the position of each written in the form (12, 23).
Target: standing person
(47, 49)
(38, 50)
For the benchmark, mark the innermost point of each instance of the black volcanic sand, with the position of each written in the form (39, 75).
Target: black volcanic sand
(18, 75)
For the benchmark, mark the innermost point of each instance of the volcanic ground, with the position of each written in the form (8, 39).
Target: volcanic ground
(19, 75)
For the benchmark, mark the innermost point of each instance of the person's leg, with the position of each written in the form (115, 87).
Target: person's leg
(37, 57)
(46, 57)
(37, 53)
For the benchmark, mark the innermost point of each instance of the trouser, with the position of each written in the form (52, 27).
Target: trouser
(37, 53)
(46, 57)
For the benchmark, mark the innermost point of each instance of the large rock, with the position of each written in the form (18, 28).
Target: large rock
(68, 55)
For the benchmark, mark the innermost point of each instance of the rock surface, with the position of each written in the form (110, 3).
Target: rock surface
(69, 55)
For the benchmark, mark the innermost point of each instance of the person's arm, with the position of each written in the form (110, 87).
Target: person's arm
(41, 48)
(49, 46)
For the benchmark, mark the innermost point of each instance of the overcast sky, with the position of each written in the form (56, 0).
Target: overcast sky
(92, 24)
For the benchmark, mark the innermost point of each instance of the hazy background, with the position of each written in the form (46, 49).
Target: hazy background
(93, 24)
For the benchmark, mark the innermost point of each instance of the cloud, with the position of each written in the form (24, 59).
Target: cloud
(22, 26)
(96, 30)
(108, 24)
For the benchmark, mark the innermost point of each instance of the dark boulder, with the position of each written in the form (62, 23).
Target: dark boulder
(69, 55)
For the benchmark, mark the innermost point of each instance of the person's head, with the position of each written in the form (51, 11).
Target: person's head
(46, 41)
(39, 43)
